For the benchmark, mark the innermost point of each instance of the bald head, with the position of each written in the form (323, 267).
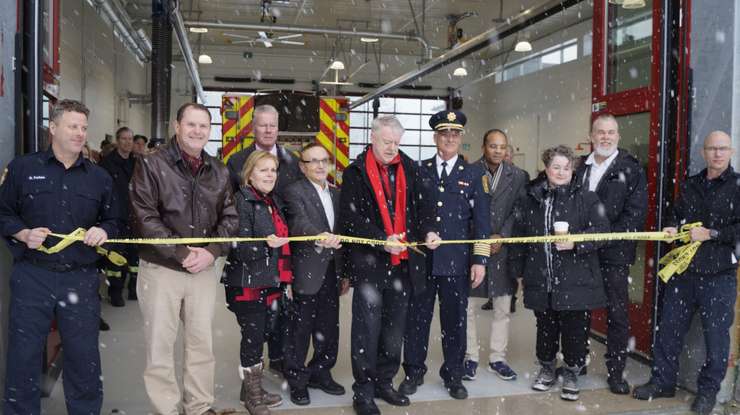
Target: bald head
(717, 152)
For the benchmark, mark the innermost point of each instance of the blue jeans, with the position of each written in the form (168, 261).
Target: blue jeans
(713, 296)
(37, 297)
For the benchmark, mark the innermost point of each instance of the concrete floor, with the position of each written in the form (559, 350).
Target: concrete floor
(123, 355)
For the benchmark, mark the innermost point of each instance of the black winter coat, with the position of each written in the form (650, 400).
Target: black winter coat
(623, 192)
(359, 215)
(715, 203)
(121, 170)
(559, 280)
(253, 264)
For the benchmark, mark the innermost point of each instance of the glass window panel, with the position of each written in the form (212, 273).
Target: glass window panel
(588, 40)
(215, 115)
(570, 53)
(531, 66)
(629, 47)
(432, 106)
(213, 98)
(425, 120)
(411, 151)
(409, 121)
(410, 105)
(355, 150)
(551, 59)
(213, 148)
(215, 133)
(498, 77)
(363, 107)
(359, 119)
(411, 137)
(428, 152)
(427, 138)
(386, 105)
(511, 73)
(359, 135)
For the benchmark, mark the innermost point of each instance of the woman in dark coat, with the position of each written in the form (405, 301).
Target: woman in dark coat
(255, 272)
(562, 281)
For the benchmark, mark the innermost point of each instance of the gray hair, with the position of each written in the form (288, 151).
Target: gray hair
(604, 117)
(264, 109)
(561, 150)
(389, 121)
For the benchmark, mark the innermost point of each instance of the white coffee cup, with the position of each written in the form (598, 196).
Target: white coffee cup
(560, 228)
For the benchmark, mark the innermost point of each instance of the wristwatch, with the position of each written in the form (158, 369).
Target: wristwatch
(713, 234)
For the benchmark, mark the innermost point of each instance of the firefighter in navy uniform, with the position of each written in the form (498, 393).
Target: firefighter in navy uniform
(55, 190)
(462, 206)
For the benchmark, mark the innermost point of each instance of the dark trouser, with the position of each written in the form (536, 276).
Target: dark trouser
(252, 319)
(37, 297)
(117, 274)
(569, 326)
(714, 297)
(616, 284)
(276, 328)
(378, 319)
(313, 317)
(453, 304)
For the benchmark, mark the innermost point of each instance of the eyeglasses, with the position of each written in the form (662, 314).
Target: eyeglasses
(723, 149)
(316, 162)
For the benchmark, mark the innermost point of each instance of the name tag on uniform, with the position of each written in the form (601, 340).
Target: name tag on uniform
(36, 177)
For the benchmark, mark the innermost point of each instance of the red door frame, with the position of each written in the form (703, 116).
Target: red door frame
(634, 101)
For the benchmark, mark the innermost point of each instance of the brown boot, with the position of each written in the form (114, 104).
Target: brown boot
(271, 400)
(251, 384)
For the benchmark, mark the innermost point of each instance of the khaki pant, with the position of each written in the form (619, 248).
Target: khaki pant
(499, 331)
(167, 297)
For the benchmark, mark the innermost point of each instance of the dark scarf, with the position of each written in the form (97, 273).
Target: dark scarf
(193, 163)
(378, 175)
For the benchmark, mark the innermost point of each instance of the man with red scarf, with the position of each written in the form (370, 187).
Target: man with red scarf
(381, 199)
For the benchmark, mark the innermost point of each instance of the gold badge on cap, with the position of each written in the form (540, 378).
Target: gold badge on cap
(451, 116)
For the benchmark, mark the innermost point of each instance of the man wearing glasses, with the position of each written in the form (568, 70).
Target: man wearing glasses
(708, 286)
(313, 205)
(462, 212)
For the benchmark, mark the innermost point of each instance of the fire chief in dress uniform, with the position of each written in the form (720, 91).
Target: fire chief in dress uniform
(461, 205)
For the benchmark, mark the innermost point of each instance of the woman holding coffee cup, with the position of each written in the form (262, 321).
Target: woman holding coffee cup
(562, 280)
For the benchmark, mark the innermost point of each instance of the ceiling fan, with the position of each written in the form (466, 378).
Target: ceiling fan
(265, 38)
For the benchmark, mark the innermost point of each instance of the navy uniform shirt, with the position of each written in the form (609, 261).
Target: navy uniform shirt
(37, 191)
(462, 212)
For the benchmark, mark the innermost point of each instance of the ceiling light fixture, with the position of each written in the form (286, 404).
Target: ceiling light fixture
(633, 4)
(618, 2)
(369, 39)
(205, 59)
(460, 71)
(337, 65)
(199, 30)
(523, 46)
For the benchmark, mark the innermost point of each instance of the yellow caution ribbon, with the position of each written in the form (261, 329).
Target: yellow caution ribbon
(674, 262)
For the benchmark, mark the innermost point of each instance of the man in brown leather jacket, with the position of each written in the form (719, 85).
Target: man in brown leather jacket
(181, 191)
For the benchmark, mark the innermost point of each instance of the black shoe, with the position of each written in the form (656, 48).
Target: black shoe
(618, 386)
(703, 405)
(409, 385)
(299, 396)
(365, 408)
(132, 295)
(329, 386)
(103, 326)
(650, 391)
(488, 305)
(457, 390)
(392, 396)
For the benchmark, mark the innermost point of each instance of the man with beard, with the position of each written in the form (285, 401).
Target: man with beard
(618, 179)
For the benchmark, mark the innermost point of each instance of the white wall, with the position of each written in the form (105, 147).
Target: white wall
(98, 70)
(537, 111)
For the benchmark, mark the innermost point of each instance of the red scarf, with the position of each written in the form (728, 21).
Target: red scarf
(193, 163)
(378, 175)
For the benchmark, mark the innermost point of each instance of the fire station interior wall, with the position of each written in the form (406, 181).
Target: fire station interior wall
(715, 44)
(549, 107)
(97, 69)
(7, 143)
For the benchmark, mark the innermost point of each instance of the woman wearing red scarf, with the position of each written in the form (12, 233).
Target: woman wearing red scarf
(381, 199)
(256, 271)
